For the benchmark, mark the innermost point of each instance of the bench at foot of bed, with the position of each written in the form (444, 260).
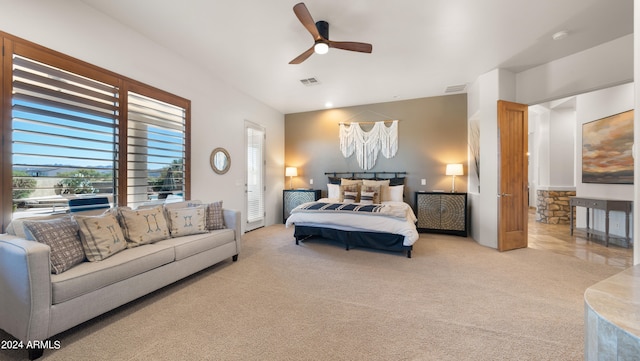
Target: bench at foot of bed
(350, 239)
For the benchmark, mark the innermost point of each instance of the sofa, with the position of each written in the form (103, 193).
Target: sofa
(38, 302)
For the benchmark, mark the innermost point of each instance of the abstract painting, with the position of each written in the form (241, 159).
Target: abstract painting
(606, 150)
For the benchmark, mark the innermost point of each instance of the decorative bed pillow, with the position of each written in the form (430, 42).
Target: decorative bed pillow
(347, 181)
(352, 188)
(101, 236)
(215, 216)
(383, 191)
(367, 197)
(61, 234)
(334, 180)
(370, 194)
(333, 191)
(142, 226)
(186, 221)
(396, 194)
(350, 197)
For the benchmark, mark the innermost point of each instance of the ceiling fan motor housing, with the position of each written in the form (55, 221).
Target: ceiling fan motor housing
(323, 28)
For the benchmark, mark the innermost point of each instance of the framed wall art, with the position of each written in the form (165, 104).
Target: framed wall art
(606, 150)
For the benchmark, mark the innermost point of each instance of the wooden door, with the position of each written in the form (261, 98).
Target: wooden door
(513, 178)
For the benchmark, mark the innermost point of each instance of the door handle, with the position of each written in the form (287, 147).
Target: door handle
(504, 195)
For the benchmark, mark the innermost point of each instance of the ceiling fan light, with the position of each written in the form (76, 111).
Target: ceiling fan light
(321, 48)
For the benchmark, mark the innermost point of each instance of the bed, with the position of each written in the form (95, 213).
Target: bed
(383, 221)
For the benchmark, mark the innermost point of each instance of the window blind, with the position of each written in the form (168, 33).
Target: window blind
(255, 176)
(64, 134)
(156, 133)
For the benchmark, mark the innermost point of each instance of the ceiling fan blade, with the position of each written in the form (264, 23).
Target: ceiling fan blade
(302, 57)
(350, 45)
(305, 18)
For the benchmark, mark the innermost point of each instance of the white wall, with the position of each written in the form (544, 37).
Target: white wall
(636, 131)
(496, 85)
(582, 72)
(602, 66)
(589, 107)
(218, 111)
(562, 142)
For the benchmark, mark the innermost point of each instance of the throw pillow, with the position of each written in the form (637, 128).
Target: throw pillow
(61, 234)
(215, 216)
(333, 191)
(101, 236)
(350, 197)
(186, 221)
(367, 197)
(142, 226)
(370, 194)
(383, 192)
(354, 188)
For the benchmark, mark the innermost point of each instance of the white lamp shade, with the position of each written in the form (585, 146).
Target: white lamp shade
(291, 172)
(454, 169)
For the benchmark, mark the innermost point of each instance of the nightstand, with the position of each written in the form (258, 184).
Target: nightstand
(291, 198)
(440, 212)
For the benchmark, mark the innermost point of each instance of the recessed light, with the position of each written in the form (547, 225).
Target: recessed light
(560, 35)
(328, 105)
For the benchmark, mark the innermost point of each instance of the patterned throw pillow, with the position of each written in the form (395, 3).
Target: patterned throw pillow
(367, 197)
(383, 192)
(61, 234)
(101, 236)
(350, 197)
(370, 194)
(142, 226)
(186, 221)
(351, 188)
(215, 216)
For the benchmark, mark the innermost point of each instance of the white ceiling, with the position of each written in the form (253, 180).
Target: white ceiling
(420, 47)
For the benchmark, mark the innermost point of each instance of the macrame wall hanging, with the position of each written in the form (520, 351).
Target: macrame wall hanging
(367, 144)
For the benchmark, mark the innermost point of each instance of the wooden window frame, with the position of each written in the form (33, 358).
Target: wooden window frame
(14, 45)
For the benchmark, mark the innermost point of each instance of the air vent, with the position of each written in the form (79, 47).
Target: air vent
(455, 88)
(310, 81)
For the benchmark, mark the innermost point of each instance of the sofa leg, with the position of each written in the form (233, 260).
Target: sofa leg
(234, 258)
(35, 353)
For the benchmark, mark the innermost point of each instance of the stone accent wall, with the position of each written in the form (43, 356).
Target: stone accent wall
(553, 206)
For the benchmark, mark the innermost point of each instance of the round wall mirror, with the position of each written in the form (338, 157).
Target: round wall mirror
(220, 160)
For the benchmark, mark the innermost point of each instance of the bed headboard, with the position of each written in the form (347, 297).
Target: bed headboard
(397, 178)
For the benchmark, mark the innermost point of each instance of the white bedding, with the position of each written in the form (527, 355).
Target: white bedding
(360, 222)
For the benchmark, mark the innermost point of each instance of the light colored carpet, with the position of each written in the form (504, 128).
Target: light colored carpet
(454, 300)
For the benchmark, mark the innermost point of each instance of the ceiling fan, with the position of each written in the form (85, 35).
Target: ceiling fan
(320, 32)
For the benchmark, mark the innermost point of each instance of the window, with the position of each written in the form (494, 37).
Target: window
(76, 130)
(255, 176)
(156, 150)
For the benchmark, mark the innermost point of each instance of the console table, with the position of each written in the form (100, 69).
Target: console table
(606, 205)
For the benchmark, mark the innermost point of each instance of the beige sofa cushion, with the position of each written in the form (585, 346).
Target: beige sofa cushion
(190, 245)
(90, 276)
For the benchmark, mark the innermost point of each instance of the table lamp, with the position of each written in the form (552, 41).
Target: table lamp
(291, 172)
(453, 170)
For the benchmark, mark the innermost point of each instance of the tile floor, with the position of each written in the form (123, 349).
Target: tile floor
(556, 238)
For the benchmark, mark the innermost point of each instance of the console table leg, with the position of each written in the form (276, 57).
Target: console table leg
(606, 228)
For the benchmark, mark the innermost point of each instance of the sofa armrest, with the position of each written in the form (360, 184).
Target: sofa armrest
(25, 288)
(232, 219)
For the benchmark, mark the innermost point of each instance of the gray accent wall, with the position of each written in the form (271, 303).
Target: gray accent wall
(431, 133)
